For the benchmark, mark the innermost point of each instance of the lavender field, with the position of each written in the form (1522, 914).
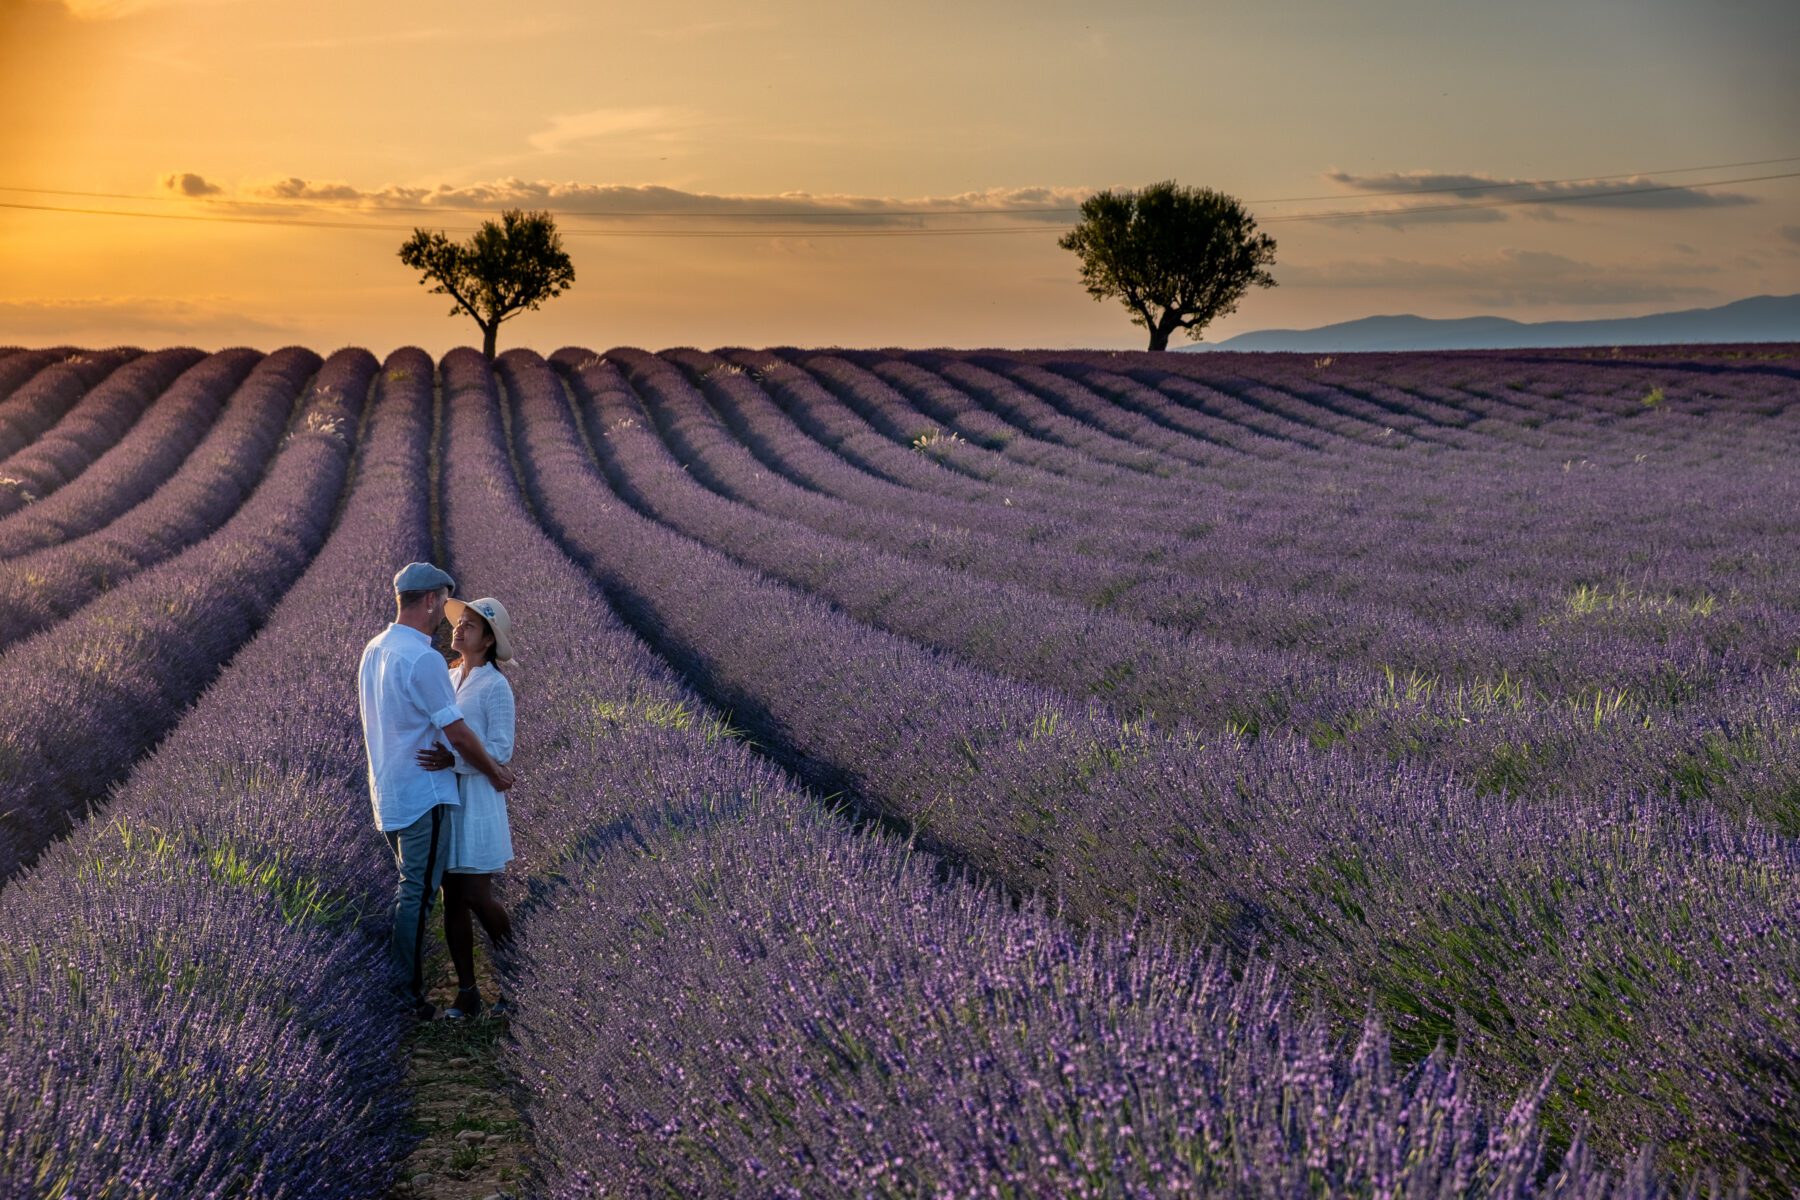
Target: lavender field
(944, 773)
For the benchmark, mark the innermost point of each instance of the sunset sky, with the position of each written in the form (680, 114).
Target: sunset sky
(776, 129)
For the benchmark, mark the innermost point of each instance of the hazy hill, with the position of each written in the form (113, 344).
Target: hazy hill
(1758, 319)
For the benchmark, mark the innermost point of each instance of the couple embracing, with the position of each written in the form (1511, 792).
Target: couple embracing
(441, 808)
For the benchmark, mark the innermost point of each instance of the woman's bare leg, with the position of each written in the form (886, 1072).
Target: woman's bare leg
(478, 896)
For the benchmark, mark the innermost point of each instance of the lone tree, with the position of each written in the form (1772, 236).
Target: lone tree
(1176, 256)
(503, 270)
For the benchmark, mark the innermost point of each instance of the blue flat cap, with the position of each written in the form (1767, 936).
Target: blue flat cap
(422, 577)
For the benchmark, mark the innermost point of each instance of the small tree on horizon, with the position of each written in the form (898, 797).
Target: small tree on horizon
(505, 269)
(1177, 257)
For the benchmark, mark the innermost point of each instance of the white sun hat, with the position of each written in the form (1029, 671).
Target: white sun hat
(491, 611)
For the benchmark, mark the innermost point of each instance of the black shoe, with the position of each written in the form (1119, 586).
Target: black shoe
(414, 1006)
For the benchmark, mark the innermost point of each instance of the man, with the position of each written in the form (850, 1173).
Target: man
(406, 697)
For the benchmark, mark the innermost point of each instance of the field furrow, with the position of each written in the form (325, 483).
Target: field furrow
(45, 587)
(192, 992)
(48, 395)
(95, 424)
(676, 866)
(127, 474)
(97, 691)
(940, 772)
(1372, 892)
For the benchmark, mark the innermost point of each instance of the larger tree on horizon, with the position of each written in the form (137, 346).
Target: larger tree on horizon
(1177, 257)
(505, 269)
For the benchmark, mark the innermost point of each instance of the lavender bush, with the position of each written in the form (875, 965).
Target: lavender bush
(20, 365)
(855, 985)
(1439, 840)
(44, 587)
(50, 393)
(1048, 797)
(128, 473)
(98, 690)
(98, 421)
(191, 993)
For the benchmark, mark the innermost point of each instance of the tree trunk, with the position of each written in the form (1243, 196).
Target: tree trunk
(489, 334)
(1166, 325)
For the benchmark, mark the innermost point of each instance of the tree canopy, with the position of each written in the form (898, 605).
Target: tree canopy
(504, 269)
(1177, 257)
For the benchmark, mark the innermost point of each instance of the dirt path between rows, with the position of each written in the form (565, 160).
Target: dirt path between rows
(473, 1139)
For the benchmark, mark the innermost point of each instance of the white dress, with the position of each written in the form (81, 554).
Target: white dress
(480, 836)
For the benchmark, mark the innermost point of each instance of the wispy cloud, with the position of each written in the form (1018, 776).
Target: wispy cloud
(571, 131)
(1511, 278)
(1790, 233)
(1049, 204)
(112, 10)
(210, 319)
(695, 30)
(1640, 191)
(419, 35)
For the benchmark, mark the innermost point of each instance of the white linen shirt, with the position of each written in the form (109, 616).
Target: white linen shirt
(404, 686)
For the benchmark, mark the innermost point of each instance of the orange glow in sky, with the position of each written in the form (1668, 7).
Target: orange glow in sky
(708, 160)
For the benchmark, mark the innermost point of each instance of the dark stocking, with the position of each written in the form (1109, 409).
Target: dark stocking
(459, 929)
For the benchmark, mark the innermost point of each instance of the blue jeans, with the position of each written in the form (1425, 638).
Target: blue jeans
(420, 851)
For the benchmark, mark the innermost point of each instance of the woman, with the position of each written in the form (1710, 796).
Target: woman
(480, 838)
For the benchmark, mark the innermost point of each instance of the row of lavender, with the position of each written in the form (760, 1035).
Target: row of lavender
(191, 989)
(527, 426)
(1598, 659)
(93, 425)
(92, 693)
(727, 991)
(1409, 528)
(1458, 913)
(40, 588)
(129, 471)
(1013, 608)
(51, 383)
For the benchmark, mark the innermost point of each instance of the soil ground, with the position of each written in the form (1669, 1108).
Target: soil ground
(472, 1142)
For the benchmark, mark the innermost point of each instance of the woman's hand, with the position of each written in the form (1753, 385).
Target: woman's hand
(438, 758)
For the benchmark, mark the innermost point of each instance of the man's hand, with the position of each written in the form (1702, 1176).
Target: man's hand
(438, 758)
(459, 735)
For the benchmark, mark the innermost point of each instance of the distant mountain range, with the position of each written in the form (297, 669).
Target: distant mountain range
(1758, 319)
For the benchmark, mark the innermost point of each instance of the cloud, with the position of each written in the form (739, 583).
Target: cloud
(1050, 205)
(357, 38)
(575, 130)
(1635, 192)
(106, 319)
(112, 10)
(705, 29)
(1790, 233)
(295, 188)
(186, 183)
(1511, 278)
(1399, 216)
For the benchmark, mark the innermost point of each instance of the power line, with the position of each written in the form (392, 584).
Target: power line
(578, 231)
(939, 231)
(324, 203)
